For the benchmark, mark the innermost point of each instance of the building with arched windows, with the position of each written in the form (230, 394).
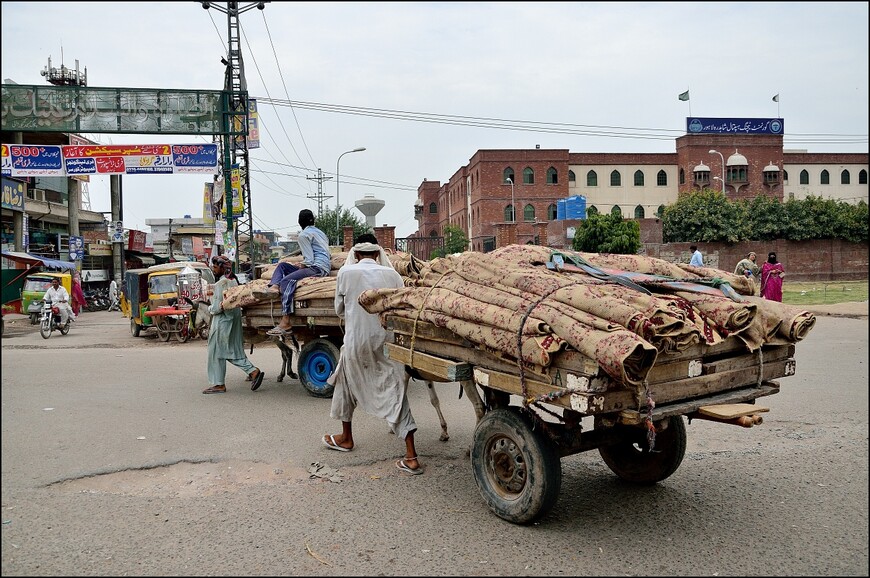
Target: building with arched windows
(512, 195)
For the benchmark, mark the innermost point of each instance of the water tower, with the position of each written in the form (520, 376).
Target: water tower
(369, 206)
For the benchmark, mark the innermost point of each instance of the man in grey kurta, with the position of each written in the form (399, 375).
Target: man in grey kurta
(365, 377)
(225, 333)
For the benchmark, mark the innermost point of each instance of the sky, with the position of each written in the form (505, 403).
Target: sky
(424, 85)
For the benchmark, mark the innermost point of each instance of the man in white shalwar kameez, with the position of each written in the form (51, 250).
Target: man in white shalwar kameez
(365, 377)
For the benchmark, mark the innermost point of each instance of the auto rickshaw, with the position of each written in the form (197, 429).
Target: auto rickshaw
(35, 286)
(150, 298)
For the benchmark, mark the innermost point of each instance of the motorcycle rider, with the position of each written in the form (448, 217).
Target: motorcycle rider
(57, 295)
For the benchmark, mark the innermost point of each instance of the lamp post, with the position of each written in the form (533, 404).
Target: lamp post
(337, 206)
(513, 204)
(712, 151)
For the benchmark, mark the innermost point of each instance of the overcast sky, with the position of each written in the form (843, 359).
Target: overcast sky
(576, 69)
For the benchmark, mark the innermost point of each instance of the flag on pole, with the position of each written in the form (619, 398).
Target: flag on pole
(685, 96)
(776, 97)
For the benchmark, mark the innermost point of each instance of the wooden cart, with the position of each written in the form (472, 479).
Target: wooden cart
(532, 415)
(316, 338)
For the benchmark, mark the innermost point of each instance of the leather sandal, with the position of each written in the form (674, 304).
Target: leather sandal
(216, 389)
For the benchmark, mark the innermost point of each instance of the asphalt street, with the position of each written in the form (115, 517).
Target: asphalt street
(114, 463)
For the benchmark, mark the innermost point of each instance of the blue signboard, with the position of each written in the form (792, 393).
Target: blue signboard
(696, 125)
(13, 195)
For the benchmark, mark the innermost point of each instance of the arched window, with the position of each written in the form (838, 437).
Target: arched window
(825, 177)
(845, 178)
(785, 176)
(508, 173)
(591, 179)
(529, 212)
(509, 214)
(615, 179)
(551, 212)
(616, 211)
(662, 178)
(660, 212)
(433, 233)
(638, 212)
(638, 178)
(571, 177)
(591, 210)
(528, 176)
(862, 177)
(682, 176)
(552, 176)
(805, 177)
(433, 209)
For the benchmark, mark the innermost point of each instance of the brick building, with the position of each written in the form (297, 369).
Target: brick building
(743, 157)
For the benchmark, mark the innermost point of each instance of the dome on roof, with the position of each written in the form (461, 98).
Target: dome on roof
(701, 167)
(737, 160)
(771, 168)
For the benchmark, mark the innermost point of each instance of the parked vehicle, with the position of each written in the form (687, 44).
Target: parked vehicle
(35, 286)
(156, 288)
(50, 320)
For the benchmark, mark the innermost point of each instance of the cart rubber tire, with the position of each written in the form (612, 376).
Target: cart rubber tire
(516, 469)
(317, 360)
(65, 329)
(45, 328)
(632, 461)
(135, 328)
(163, 333)
(183, 333)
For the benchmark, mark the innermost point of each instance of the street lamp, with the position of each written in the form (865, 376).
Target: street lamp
(337, 206)
(513, 205)
(723, 167)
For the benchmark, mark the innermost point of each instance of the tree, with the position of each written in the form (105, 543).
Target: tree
(704, 216)
(455, 241)
(326, 223)
(607, 234)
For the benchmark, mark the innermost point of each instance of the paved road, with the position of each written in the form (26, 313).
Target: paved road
(113, 463)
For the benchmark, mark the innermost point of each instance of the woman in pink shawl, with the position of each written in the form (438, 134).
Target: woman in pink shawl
(78, 296)
(771, 278)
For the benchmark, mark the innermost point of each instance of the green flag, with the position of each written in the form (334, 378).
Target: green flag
(684, 96)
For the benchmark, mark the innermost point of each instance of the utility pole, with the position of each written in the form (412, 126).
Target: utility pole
(235, 120)
(319, 196)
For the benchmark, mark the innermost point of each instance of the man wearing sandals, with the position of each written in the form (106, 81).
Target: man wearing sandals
(365, 376)
(225, 333)
(316, 262)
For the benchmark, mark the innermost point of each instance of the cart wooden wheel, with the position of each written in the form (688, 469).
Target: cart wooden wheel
(317, 360)
(135, 328)
(632, 460)
(163, 333)
(517, 472)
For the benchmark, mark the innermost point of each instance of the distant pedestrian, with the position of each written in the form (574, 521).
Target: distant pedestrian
(113, 296)
(78, 295)
(697, 259)
(772, 273)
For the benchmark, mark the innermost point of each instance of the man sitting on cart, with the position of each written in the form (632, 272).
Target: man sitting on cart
(316, 262)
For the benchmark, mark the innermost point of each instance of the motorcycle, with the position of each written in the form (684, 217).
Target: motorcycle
(50, 320)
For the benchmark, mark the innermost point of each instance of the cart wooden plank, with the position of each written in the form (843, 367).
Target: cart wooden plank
(444, 369)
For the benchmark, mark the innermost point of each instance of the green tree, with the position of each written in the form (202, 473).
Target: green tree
(704, 216)
(607, 234)
(326, 223)
(766, 217)
(455, 241)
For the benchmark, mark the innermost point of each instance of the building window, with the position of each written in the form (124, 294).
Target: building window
(771, 177)
(615, 179)
(591, 210)
(551, 212)
(591, 179)
(433, 209)
(845, 177)
(682, 177)
(660, 212)
(862, 177)
(736, 174)
(508, 174)
(529, 212)
(662, 178)
(509, 214)
(433, 233)
(552, 176)
(571, 177)
(616, 211)
(638, 178)
(638, 212)
(805, 177)
(528, 176)
(825, 177)
(785, 176)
